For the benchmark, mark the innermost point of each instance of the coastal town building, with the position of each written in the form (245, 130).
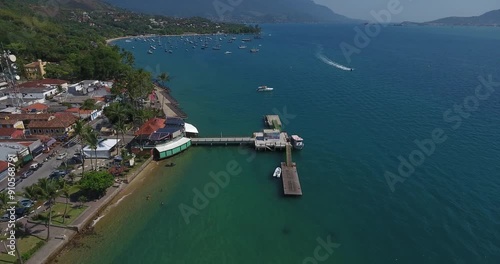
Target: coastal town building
(36, 108)
(35, 70)
(6, 122)
(17, 151)
(104, 150)
(11, 133)
(56, 125)
(45, 83)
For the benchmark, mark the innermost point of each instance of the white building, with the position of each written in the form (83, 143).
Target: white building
(32, 93)
(104, 149)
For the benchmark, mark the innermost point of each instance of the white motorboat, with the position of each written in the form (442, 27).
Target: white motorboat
(298, 142)
(242, 47)
(228, 52)
(277, 172)
(264, 88)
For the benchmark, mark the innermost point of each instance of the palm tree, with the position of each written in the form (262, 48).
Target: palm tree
(48, 190)
(164, 77)
(86, 131)
(119, 128)
(65, 190)
(80, 130)
(93, 141)
(115, 112)
(4, 199)
(31, 192)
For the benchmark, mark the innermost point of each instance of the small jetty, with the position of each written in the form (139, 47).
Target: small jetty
(222, 141)
(271, 139)
(289, 174)
(273, 121)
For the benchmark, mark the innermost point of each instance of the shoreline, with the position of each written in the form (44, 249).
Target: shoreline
(82, 227)
(86, 226)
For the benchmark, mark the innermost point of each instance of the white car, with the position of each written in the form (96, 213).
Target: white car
(62, 156)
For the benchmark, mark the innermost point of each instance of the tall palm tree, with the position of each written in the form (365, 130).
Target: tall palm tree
(80, 130)
(31, 192)
(4, 199)
(120, 127)
(164, 77)
(115, 112)
(48, 190)
(65, 190)
(93, 141)
(87, 130)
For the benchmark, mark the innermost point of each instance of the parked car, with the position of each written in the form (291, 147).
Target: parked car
(21, 211)
(35, 166)
(58, 173)
(26, 203)
(27, 174)
(62, 156)
(5, 218)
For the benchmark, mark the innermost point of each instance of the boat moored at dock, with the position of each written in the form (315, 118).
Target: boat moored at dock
(297, 142)
(277, 172)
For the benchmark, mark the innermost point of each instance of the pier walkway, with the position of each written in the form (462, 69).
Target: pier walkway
(289, 174)
(223, 141)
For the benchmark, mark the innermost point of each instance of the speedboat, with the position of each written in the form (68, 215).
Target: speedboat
(228, 52)
(264, 88)
(297, 142)
(277, 172)
(150, 52)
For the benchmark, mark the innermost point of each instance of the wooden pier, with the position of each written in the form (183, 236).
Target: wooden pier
(290, 176)
(273, 121)
(223, 141)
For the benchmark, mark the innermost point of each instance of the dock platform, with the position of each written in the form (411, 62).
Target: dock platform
(273, 121)
(291, 183)
(289, 174)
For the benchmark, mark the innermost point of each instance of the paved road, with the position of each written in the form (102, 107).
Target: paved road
(43, 172)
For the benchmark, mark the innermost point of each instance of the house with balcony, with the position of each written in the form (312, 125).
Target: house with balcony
(59, 124)
(35, 70)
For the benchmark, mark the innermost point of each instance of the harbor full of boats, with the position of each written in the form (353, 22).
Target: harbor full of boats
(186, 43)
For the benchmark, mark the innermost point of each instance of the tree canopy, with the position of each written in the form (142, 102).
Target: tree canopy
(95, 183)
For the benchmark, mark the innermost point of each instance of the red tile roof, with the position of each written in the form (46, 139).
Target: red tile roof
(61, 120)
(3, 165)
(42, 83)
(25, 117)
(36, 106)
(79, 111)
(151, 126)
(11, 132)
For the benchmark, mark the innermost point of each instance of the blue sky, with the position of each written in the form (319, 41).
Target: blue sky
(413, 10)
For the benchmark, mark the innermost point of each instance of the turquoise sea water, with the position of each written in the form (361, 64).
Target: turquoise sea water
(355, 125)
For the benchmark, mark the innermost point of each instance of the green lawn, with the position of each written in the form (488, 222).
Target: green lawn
(58, 212)
(27, 246)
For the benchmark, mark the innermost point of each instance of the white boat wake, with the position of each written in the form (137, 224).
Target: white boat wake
(97, 220)
(326, 60)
